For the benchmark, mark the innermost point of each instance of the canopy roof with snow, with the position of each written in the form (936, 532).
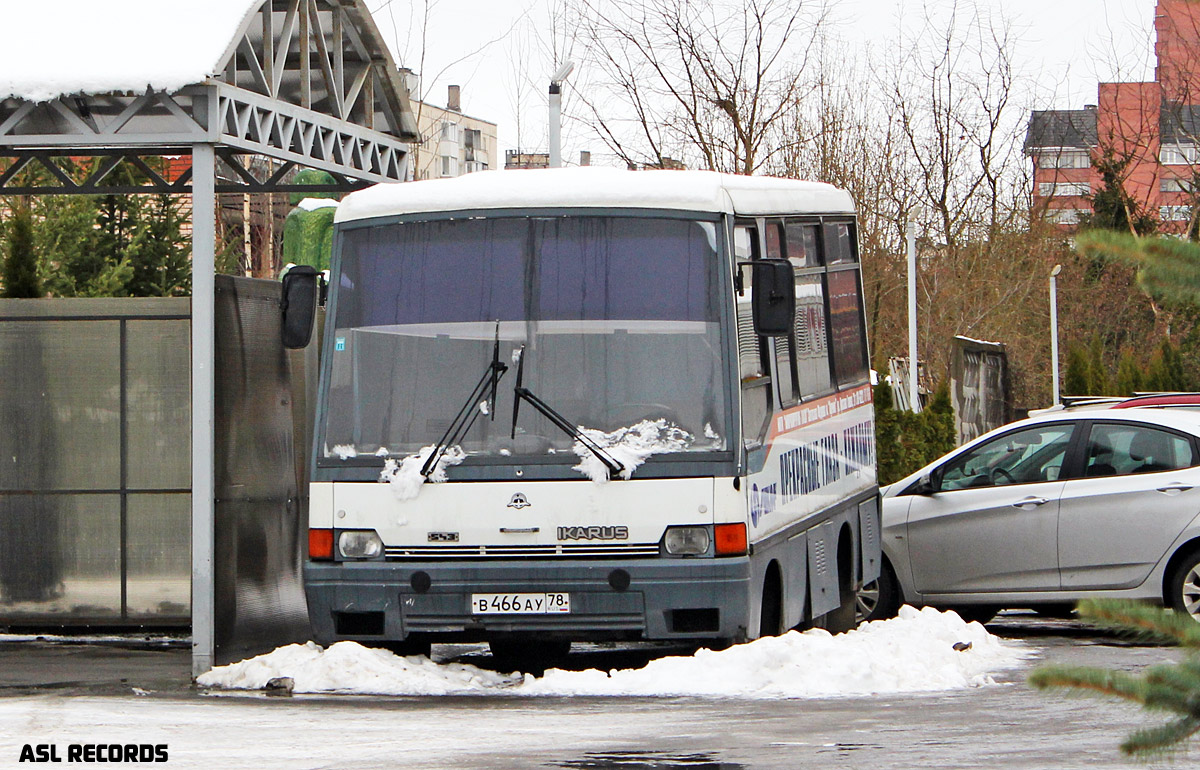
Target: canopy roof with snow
(304, 82)
(592, 187)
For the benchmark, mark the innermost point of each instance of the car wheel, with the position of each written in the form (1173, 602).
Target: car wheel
(1185, 586)
(880, 599)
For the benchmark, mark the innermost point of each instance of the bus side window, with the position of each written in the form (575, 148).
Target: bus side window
(813, 373)
(778, 247)
(846, 327)
(752, 361)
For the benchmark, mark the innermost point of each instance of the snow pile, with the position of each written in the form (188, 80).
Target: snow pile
(348, 667)
(405, 475)
(345, 451)
(629, 446)
(911, 653)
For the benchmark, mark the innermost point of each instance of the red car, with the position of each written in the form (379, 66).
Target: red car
(1161, 400)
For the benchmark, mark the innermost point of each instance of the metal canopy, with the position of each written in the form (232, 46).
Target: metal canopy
(303, 82)
(309, 83)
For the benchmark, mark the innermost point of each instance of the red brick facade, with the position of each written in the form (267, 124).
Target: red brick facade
(1152, 128)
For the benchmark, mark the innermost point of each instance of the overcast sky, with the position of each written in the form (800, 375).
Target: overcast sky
(488, 47)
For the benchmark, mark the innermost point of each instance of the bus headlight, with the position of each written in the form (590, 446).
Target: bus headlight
(359, 544)
(686, 541)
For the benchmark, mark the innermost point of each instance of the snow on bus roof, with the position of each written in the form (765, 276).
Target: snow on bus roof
(592, 187)
(114, 46)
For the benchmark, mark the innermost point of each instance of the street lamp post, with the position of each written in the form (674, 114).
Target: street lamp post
(1054, 329)
(556, 81)
(914, 392)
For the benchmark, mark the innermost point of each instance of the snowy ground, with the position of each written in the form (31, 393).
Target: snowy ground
(1006, 725)
(915, 652)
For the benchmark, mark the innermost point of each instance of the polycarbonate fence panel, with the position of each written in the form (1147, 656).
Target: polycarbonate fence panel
(61, 405)
(60, 557)
(158, 404)
(159, 557)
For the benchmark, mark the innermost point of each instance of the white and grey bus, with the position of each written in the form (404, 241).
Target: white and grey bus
(592, 404)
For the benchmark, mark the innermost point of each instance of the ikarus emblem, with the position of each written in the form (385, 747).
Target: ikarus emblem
(519, 501)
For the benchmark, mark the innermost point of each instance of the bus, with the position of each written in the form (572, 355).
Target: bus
(591, 405)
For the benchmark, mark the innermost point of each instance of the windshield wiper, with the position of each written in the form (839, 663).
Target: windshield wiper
(462, 422)
(520, 392)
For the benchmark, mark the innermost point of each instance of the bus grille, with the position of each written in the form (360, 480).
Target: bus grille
(557, 551)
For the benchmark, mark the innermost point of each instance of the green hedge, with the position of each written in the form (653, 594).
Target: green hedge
(906, 441)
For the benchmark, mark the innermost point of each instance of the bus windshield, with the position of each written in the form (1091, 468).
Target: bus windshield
(615, 319)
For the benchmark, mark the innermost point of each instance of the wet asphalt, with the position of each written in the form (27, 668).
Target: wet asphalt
(1008, 726)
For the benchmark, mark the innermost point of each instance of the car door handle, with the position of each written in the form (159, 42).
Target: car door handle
(1031, 501)
(1174, 488)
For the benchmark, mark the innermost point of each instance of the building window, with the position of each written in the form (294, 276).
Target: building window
(472, 144)
(449, 131)
(1051, 189)
(1177, 185)
(1177, 154)
(1063, 158)
(449, 165)
(1175, 213)
(1063, 216)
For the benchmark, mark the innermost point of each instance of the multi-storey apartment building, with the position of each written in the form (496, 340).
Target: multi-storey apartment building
(1149, 131)
(452, 143)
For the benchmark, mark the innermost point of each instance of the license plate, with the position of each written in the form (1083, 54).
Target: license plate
(520, 604)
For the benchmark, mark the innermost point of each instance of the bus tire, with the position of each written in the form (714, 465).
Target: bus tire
(413, 645)
(770, 616)
(844, 617)
(529, 656)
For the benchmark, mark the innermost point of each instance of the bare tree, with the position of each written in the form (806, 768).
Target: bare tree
(705, 82)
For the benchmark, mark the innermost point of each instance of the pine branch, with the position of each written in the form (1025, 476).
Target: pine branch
(1159, 740)
(1098, 681)
(1142, 621)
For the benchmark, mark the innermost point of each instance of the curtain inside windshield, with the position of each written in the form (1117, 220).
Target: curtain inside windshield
(615, 318)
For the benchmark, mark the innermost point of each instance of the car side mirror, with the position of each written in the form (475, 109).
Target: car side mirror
(926, 485)
(301, 285)
(773, 303)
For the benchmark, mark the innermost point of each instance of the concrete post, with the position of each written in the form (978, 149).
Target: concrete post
(203, 398)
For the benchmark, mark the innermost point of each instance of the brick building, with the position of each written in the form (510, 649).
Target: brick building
(1152, 128)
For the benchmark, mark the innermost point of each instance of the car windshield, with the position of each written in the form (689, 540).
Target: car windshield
(616, 319)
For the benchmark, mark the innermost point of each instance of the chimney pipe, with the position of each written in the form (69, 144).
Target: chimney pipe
(454, 99)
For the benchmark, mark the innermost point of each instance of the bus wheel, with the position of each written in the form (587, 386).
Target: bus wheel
(770, 618)
(413, 645)
(844, 617)
(529, 656)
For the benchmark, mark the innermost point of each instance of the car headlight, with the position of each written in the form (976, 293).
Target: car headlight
(359, 544)
(686, 541)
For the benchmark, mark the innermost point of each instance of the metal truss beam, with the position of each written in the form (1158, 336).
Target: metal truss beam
(235, 121)
(252, 123)
(235, 174)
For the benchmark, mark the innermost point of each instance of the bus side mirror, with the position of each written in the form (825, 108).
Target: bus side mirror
(301, 285)
(774, 297)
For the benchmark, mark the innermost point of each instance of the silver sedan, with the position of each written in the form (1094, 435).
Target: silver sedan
(1045, 512)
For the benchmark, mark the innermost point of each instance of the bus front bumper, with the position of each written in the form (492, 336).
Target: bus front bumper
(650, 599)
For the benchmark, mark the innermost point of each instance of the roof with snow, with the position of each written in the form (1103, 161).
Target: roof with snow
(129, 45)
(307, 82)
(593, 187)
